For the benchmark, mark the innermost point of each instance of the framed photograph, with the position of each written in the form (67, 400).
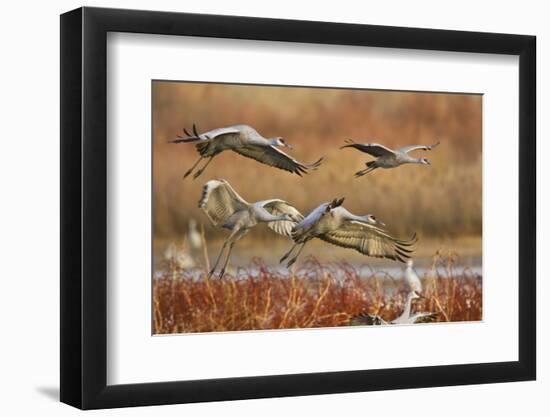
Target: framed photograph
(258, 208)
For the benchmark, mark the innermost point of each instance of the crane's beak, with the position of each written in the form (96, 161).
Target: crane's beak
(380, 223)
(288, 146)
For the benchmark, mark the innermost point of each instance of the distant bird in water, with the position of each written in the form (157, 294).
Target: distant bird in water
(245, 141)
(334, 224)
(386, 157)
(193, 236)
(183, 255)
(225, 208)
(179, 256)
(412, 281)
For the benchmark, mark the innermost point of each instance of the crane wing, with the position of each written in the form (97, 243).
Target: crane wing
(424, 317)
(407, 149)
(270, 155)
(220, 201)
(365, 319)
(215, 133)
(278, 207)
(206, 136)
(374, 149)
(370, 240)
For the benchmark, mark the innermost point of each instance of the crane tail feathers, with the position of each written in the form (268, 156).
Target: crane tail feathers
(189, 137)
(349, 143)
(184, 140)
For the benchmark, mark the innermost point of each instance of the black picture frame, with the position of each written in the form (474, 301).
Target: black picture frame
(84, 207)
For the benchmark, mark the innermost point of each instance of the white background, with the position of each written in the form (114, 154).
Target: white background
(30, 205)
(129, 216)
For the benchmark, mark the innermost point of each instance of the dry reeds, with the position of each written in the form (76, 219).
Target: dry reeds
(312, 295)
(439, 202)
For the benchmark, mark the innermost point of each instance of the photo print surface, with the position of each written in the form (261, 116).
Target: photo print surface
(281, 207)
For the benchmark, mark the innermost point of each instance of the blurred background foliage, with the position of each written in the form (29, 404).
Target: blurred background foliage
(441, 201)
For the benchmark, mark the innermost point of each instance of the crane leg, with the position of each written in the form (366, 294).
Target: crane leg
(364, 171)
(235, 235)
(222, 272)
(286, 255)
(193, 167)
(218, 259)
(291, 262)
(200, 171)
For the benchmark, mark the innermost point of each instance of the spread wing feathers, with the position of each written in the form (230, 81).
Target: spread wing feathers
(365, 319)
(220, 201)
(407, 149)
(272, 156)
(212, 134)
(373, 149)
(371, 241)
(424, 317)
(278, 207)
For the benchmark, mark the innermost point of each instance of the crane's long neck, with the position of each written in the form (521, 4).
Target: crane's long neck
(407, 310)
(416, 160)
(362, 219)
(408, 159)
(265, 216)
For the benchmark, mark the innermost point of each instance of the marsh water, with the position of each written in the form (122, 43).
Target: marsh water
(253, 267)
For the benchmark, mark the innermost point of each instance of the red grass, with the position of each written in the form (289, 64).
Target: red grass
(313, 295)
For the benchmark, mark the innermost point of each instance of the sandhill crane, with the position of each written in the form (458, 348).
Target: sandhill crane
(334, 224)
(245, 141)
(386, 157)
(193, 236)
(411, 278)
(406, 317)
(225, 208)
(179, 256)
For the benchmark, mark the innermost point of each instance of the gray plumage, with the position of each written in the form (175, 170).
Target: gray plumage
(245, 141)
(388, 158)
(365, 319)
(334, 224)
(225, 208)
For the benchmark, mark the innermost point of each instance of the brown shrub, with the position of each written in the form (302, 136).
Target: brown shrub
(312, 295)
